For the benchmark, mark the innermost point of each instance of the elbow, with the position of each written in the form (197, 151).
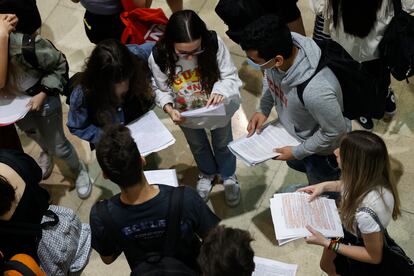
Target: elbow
(376, 259)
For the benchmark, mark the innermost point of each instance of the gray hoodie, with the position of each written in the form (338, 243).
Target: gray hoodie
(319, 122)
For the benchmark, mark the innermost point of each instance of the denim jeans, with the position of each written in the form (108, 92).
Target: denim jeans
(45, 127)
(214, 159)
(318, 168)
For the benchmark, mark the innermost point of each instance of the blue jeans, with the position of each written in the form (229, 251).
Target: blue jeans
(214, 159)
(318, 168)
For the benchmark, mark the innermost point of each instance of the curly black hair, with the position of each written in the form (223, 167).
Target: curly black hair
(186, 26)
(227, 251)
(269, 36)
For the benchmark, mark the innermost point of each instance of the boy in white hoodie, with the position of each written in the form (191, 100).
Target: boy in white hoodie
(288, 60)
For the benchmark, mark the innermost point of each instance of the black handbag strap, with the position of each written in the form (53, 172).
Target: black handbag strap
(374, 216)
(19, 267)
(172, 232)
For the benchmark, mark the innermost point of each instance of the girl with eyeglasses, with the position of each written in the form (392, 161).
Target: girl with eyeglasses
(192, 68)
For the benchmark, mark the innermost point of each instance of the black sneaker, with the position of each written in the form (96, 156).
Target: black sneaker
(366, 123)
(390, 107)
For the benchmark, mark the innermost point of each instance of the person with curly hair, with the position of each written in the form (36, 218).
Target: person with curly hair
(192, 68)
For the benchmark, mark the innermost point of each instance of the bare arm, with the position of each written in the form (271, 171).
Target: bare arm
(370, 253)
(7, 25)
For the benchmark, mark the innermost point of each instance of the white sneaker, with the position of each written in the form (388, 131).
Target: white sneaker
(232, 191)
(83, 183)
(204, 186)
(45, 162)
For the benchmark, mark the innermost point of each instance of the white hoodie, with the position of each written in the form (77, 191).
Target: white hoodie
(186, 89)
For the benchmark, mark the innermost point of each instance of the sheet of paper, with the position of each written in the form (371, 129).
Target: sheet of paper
(267, 267)
(259, 147)
(13, 108)
(166, 177)
(291, 212)
(150, 134)
(214, 110)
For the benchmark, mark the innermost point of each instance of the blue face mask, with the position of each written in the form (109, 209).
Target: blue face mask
(254, 65)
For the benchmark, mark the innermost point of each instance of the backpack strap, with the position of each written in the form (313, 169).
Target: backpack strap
(301, 87)
(19, 267)
(375, 217)
(173, 231)
(29, 50)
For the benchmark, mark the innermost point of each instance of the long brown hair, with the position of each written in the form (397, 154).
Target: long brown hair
(109, 63)
(186, 26)
(365, 167)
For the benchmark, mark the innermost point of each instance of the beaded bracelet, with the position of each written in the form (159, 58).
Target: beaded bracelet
(334, 245)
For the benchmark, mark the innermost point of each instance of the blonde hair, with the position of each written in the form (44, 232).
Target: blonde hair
(365, 167)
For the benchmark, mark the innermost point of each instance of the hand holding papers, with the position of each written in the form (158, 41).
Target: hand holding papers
(291, 212)
(267, 267)
(166, 177)
(13, 108)
(150, 134)
(213, 110)
(259, 147)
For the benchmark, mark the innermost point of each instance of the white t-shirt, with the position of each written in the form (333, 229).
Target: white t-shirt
(381, 201)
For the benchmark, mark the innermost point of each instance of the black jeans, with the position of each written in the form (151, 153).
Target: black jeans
(318, 168)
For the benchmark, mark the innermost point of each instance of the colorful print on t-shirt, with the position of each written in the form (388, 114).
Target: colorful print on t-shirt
(189, 93)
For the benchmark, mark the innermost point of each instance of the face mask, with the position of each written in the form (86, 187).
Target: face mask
(253, 64)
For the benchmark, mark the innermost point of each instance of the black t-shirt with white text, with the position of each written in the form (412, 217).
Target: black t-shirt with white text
(144, 225)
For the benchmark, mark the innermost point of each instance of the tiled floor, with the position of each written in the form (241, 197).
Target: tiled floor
(62, 23)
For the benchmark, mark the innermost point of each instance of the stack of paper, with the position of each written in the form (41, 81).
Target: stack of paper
(166, 177)
(267, 267)
(259, 147)
(213, 110)
(150, 134)
(291, 212)
(13, 108)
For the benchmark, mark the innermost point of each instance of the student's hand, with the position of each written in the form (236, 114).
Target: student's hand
(36, 101)
(8, 24)
(175, 115)
(285, 154)
(313, 190)
(215, 99)
(256, 123)
(316, 238)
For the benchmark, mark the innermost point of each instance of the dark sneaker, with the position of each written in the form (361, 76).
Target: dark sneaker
(390, 106)
(366, 123)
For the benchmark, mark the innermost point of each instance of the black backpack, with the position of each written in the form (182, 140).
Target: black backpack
(360, 94)
(157, 263)
(29, 55)
(397, 44)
